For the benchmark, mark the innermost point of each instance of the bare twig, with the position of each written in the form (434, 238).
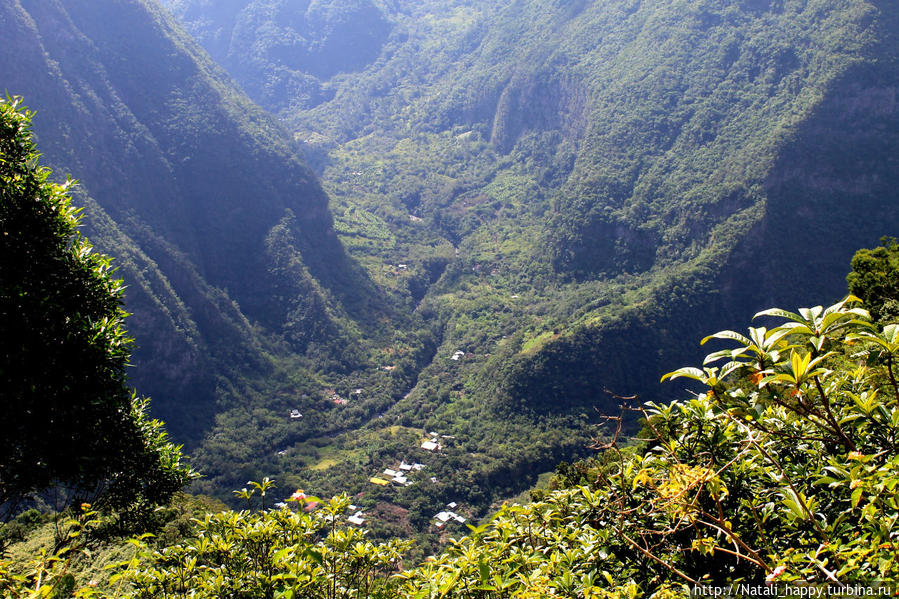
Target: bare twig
(658, 560)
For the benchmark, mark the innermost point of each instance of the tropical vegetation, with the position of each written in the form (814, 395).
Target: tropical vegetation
(783, 467)
(556, 189)
(522, 212)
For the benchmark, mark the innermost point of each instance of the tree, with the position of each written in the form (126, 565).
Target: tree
(69, 420)
(875, 279)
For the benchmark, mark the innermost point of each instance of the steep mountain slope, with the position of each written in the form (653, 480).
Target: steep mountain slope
(237, 281)
(568, 185)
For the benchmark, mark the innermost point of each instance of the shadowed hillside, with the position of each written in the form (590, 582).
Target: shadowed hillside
(222, 234)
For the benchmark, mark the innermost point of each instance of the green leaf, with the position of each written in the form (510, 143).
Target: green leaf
(483, 570)
(780, 313)
(686, 372)
(792, 501)
(733, 335)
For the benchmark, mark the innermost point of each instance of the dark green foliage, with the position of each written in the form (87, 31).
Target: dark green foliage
(285, 51)
(783, 469)
(616, 167)
(875, 279)
(244, 299)
(69, 418)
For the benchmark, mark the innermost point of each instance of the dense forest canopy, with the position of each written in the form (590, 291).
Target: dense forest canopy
(567, 185)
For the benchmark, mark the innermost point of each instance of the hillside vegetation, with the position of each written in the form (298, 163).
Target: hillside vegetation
(568, 185)
(245, 304)
(783, 469)
(518, 216)
(519, 201)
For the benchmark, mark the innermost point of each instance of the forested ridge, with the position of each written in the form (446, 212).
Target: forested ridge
(513, 215)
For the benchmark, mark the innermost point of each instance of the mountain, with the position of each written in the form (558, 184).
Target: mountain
(524, 205)
(570, 185)
(284, 53)
(238, 284)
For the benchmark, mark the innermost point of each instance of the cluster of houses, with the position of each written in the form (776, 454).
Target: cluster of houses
(442, 518)
(399, 475)
(331, 396)
(434, 442)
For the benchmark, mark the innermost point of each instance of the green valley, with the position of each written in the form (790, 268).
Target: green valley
(557, 189)
(416, 252)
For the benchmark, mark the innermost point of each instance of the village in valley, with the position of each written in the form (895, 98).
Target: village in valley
(402, 475)
(411, 469)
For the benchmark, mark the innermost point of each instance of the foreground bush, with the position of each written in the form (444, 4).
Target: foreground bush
(71, 425)
(784, 468)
